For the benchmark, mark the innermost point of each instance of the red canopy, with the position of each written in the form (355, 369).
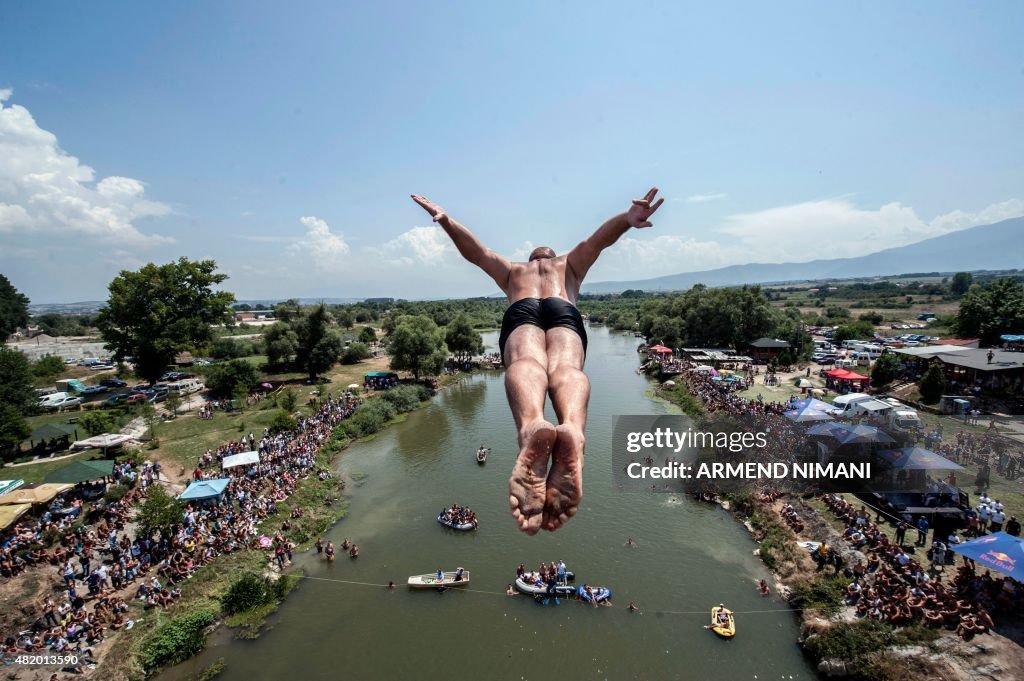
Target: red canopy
(844, 375)
(660, 349)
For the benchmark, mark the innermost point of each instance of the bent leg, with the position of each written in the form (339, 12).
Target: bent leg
(526, 384)
(570, 393)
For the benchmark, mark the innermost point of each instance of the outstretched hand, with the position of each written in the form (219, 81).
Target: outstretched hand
(435, 210)
(642, 209)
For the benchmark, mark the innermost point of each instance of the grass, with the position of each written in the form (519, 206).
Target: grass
(36, 472)
(184, 439)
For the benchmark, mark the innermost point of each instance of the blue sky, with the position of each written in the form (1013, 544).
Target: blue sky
(283, 139)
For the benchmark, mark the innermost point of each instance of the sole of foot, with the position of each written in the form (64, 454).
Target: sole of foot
(527, 485)
(565, 481)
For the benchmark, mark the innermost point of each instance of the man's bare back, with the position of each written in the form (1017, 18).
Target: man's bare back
(543, 346)
(542, 278)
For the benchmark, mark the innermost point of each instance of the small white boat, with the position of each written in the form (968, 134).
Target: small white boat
(432, 582)
(481, 456)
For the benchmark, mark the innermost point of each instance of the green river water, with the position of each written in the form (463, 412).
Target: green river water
(689, 557)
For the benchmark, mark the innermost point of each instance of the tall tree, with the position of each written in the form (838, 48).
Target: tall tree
(417, 345)
(319, 346)
(13, 308)
(14, 429)
(933, 383)
(961, 283)
(281, 343)
(886, 369)
(160, 310)
(16, 381)
(988, 311)
(462, 339)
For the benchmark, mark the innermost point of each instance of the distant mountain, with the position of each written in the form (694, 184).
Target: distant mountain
(986, 247)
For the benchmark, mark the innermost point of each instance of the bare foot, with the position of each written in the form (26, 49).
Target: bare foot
(565, 481)
(529, 476)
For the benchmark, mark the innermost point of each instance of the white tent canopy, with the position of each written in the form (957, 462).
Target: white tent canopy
(102, 441)
(243, 459)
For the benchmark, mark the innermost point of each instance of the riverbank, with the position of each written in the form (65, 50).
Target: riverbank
(839, 642)
(164, 636)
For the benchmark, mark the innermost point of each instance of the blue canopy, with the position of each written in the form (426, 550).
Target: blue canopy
(999, 551)
(1011, 337)
(204, 489)
(917, 459)
(846, 434)
(813, 403)
(807, 414)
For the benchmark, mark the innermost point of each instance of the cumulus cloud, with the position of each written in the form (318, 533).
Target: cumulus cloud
(832, 228)
(319, 244)
(704, 198)
(43, 189)
(419, 245)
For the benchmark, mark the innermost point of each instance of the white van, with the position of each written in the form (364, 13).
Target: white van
(844, 402)
(871, 407)
(185, 386)
(53, 398)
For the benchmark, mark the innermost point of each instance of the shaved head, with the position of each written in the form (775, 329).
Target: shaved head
(541, 252)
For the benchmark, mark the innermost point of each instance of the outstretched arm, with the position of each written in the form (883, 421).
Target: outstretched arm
(583, 257)
(496, 267)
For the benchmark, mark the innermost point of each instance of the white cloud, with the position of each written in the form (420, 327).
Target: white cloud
(833, 228)
(705, 198)
(323, 248)
(419, 245)
(45, 189)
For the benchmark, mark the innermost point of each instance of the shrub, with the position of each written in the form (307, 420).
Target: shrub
(282, 423)
(177, 640)
(825, 592)
(405, 398)
(245, 593)
(116, 493)
(851, 640)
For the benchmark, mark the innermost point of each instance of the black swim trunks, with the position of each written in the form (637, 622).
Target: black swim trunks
(547, 313)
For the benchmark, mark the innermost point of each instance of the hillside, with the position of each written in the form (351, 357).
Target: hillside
(986, 247)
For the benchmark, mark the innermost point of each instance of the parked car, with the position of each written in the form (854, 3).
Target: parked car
(114, 400)
(95, 389)
(64, 403)
(114, 383)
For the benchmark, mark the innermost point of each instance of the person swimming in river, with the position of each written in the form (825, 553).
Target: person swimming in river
(329, 550)
(543, 344)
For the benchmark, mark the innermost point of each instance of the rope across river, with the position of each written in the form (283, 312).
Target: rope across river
(504, 595)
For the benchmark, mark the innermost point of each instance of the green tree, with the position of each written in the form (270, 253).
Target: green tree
(14, 429)
(225, 378)
(872, 317)
(367, 335)
(281, 343)
(319, 347)
(173, 403)
(933, 384)
(287, 399)
(160, 512)
(16, 381)
(462, 339)
(836, 312)
(961, 283)
(96, 422)
(346, 319)
(156, 312)
(354, 353)
(13, 308)
(417, 345)
(853, 331)
(48, 367)
(991, 310)
(886, 369)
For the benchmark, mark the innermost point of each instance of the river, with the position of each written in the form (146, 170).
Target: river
(689, 556)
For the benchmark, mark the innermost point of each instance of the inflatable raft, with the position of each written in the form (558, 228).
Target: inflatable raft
(726, 630)
(600, 593)
(529, 586)
(461, 527)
